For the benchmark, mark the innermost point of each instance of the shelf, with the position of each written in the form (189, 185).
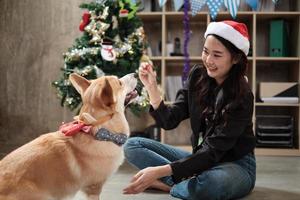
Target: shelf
(276, 152)
(175, 16)
(276, 104)
(156, 58)
(151, 17)
(260, 58)
(181, 58)
(167, 25)
(279, 14)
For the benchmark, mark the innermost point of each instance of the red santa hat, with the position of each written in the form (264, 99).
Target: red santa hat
(234, 32)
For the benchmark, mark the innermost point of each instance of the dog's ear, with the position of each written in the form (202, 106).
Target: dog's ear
(107, 95)
(79, 82)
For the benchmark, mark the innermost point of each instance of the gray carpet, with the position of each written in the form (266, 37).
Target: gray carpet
(278, 178)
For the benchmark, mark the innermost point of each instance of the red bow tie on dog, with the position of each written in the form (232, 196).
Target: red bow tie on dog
(71, 128)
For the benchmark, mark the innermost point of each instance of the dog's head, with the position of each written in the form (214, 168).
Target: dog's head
(107, 94)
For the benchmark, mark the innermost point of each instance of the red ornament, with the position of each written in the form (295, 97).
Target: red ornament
(123, 13)
(85, 21)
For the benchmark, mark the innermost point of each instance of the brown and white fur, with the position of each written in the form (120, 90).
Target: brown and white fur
(55, 166)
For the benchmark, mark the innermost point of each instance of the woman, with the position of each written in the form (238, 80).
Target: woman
(219, 103)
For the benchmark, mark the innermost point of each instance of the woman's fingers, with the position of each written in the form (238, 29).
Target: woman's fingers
(135, 188)
(137, 185)
(136, 176)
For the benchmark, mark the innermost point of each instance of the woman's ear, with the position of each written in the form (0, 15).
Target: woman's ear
(79, 82)
(236, 59)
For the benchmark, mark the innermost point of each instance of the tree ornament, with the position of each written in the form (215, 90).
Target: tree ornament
(104, 13)
(115, 22)
(107, 52)
(101, 1)
(85, 21)
(123, 13)
(133, 8)
(98, 30)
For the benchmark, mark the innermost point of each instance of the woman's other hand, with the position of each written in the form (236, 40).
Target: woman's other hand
(146, 178)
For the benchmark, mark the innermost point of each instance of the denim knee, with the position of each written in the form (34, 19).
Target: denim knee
(129, 146)
(192, 190)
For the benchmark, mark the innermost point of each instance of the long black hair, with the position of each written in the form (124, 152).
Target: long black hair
(235, 84)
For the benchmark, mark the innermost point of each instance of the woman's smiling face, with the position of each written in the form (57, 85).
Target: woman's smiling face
(217, 59)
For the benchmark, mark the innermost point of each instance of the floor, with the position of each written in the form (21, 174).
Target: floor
(277, 178)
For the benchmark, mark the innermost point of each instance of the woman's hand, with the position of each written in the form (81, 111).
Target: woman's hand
(148, 78)
(147, 75)
(146, 177)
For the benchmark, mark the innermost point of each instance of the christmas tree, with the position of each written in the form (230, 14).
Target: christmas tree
(113, 43)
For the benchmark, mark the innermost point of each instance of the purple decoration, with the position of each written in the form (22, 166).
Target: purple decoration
(186, 23)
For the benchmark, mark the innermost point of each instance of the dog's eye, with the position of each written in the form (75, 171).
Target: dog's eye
(120, 82)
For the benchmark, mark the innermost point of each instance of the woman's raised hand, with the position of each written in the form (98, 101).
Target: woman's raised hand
(147, 75)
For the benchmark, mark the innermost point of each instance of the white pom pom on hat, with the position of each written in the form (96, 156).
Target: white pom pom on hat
(234, 32)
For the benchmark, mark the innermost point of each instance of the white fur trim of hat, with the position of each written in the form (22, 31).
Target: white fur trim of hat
(234, 32)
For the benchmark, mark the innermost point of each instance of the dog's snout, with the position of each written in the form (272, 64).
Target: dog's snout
(132, 75)
(135, 75)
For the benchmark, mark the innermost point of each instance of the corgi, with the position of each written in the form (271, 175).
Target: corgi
(57, 165)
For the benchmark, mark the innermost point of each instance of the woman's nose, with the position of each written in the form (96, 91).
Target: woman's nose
(209, 59)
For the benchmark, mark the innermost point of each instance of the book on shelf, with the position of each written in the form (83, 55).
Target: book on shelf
(173, 84)
(283, 100)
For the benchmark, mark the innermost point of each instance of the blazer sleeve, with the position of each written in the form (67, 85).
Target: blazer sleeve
(214, 147)
(169, 116)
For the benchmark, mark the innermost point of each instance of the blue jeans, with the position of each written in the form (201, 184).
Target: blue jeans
(229, 180)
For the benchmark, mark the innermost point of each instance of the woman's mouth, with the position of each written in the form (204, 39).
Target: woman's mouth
(212, 68)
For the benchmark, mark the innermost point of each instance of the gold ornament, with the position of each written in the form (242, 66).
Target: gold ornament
(115, 22)
(105, 13)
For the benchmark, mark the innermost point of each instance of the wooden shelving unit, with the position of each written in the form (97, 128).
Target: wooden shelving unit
(165, 25)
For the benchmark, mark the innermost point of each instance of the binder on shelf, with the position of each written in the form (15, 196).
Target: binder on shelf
(278, 38)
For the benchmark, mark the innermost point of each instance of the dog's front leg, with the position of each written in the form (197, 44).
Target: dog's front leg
(93, 191)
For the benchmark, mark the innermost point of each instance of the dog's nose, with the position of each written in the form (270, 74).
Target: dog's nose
(135, 75)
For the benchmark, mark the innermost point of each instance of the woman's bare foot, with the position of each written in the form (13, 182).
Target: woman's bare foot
(160, 186)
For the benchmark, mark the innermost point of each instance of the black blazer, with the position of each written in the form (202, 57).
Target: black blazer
(222, 142)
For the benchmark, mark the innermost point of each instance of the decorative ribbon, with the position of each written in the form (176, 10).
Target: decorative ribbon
(252, 3)
(162, 2)
(196, 6)
(214, 7)
(232, 6)
(187, 32)
(178, 4)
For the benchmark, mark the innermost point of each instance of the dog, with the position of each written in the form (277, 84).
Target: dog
(57, 165)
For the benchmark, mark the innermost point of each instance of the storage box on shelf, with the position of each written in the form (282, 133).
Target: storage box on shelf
(274, 131)
(166, 25)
